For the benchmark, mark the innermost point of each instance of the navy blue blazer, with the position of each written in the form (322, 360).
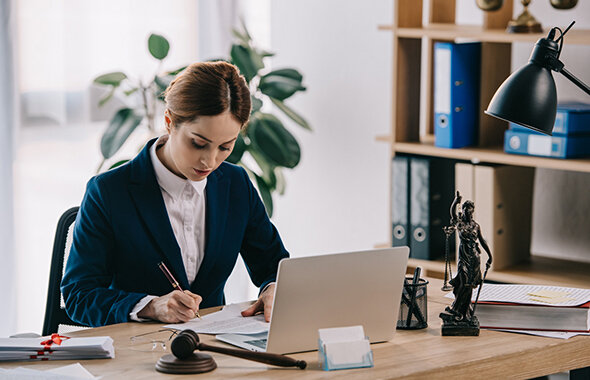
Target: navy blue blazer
(122, 232)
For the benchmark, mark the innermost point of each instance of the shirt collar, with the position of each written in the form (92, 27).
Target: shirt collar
(168, 181)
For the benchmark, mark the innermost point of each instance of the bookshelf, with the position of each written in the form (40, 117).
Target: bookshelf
(409, 35)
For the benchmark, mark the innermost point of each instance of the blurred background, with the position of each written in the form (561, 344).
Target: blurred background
(336, 199)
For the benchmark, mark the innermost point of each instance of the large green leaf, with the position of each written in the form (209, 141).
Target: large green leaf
(281, 84)
(158, 46)
(247, 60)
(292, 114)
(275, 142)
(107, 97)
(281, 183)
(121, 126)
(288, 73)
(119, 163)
(256, 104)
(239, 149)
(110, 79)
(265, 194)
(266, 167)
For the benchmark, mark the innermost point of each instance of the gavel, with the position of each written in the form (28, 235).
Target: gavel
(188, 341)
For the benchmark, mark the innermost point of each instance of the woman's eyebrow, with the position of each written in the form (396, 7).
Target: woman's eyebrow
(201, 136)
(206, 139)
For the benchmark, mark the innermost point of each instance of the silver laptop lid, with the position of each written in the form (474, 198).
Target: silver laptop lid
(336, 290)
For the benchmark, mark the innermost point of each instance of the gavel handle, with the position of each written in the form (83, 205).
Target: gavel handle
(262, 357)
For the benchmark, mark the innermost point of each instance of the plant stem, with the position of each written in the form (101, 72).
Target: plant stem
(149, 117)
(100, 166)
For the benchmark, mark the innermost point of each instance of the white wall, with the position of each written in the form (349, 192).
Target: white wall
(337, 199)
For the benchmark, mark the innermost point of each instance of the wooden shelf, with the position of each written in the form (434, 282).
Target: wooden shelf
(451, 32)
(413, 54)
(492, 155)
(539, 270)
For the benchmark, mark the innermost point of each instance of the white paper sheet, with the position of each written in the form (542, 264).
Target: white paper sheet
(532, 294)
(227, 321)
(548, 334)
(70, 372)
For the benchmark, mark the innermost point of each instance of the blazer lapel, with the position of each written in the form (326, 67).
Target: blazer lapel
(147, 196)
(216, 193)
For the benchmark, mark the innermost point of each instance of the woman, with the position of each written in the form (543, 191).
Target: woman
(179, 203)
(468, 267)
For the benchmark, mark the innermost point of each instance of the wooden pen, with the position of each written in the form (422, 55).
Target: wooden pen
(173, 281)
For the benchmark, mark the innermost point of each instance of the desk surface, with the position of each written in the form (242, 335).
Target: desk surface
(415, 354)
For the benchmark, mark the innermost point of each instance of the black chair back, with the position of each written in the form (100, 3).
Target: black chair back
(55, 313)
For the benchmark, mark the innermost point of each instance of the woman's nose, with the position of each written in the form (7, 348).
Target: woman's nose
(208, 160)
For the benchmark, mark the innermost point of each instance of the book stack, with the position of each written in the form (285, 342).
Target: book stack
(571, 135)
(56, 347)
(534, 308)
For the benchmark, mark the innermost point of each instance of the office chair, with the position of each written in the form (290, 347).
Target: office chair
(56, 319)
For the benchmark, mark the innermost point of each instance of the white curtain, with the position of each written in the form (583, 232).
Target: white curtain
(7, 127)
(61, 46)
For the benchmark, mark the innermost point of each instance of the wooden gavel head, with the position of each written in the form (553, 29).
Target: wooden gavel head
(185, 343)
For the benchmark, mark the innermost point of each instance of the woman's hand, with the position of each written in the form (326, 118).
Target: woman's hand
(264, 304)
(173, 307)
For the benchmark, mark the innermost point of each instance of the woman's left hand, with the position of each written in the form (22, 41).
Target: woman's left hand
(263, 304)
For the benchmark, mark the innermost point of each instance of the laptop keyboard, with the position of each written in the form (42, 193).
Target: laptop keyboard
(260, 343)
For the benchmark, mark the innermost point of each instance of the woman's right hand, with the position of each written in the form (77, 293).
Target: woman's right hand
(173, 307)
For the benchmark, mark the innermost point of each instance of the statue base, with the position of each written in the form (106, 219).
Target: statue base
(453, 327)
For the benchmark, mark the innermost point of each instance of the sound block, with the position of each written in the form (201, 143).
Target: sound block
(197, 363)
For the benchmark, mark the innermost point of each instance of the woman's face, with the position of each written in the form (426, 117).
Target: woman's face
(196, 148)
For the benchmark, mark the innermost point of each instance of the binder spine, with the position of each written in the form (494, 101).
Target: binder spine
(456, 93)
(400, 201)
(431, 194)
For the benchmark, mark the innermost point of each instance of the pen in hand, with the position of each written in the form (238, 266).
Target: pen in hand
(173, 281)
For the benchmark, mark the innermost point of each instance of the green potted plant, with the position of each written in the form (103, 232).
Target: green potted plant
(266, 140)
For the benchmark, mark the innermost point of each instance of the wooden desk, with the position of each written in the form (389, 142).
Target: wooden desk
(419, 354)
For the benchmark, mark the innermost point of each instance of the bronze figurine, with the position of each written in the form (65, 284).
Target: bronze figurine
(459, 318)
(489, 5)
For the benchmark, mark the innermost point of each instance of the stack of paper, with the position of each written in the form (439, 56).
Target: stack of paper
(70, 372)
(551, 311)
(100, 347)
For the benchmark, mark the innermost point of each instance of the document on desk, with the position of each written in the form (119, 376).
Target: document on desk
(65, 348)
(545, 295)
(227, 321)
(70, 372)
(547, 334)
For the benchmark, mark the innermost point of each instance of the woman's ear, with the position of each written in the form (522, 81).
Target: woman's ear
(167, 121)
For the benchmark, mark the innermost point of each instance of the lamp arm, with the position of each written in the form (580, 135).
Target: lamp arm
(575, 80)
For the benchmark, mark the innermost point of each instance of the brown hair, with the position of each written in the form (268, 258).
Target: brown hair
(208, 89)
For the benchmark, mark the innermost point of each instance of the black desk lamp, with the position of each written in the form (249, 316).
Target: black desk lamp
(528, 97)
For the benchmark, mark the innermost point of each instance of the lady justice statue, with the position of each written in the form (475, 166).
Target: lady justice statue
(459, 318)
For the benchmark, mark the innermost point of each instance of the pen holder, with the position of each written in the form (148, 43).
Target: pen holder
(413, 312)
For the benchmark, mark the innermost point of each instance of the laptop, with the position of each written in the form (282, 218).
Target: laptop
(334, 290)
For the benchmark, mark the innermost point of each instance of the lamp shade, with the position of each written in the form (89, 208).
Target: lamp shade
(528, 97)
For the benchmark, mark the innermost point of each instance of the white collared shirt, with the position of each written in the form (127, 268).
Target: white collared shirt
(185, 204)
